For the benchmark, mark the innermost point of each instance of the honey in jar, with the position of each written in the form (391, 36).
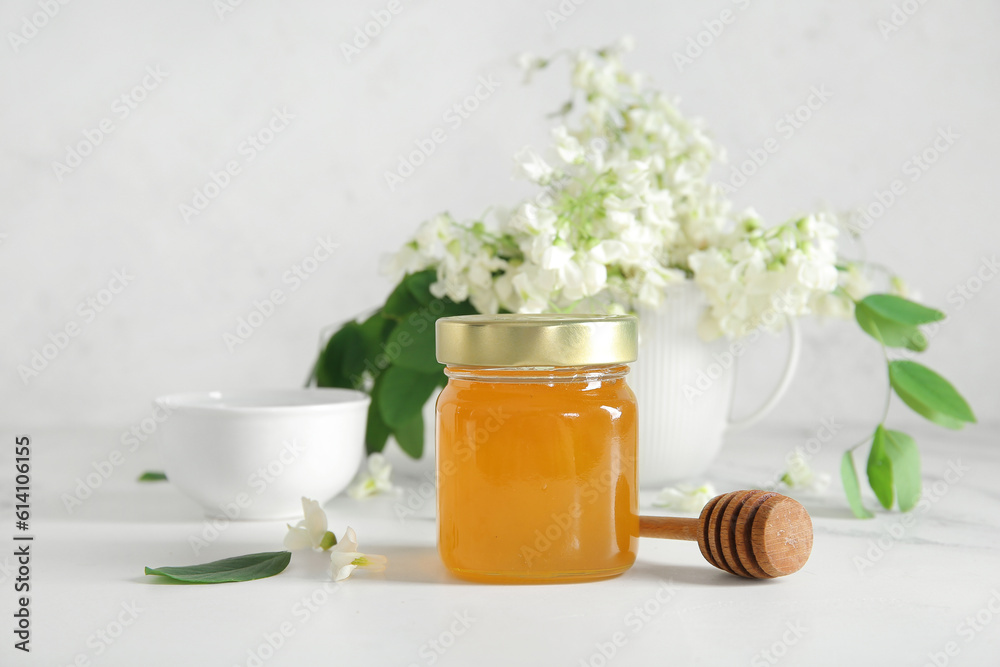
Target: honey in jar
(536, 447)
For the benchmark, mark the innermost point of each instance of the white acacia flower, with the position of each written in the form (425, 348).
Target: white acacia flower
(634, 177)
(408, 259)
(533, 219)
(451, 279)
(900, 288)
(832, 305)
(375, 478)
(649, 296)
(531, 165)
(567, 146)
(855, 282)
(485, 300)
(345, 558)
(569, 277)
(481, 268)
(659, 209)
(531, 298)
(311, 532)
(528, 62)
(433, 231)
(595, 277)
(621, 220)
(604, 80)
(608, 251)
(685, 497)
(582, 71)
(812, 274)
(625, 44)
(556, 257)
(800, 475)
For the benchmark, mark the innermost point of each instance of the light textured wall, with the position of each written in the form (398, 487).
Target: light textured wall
(338, 126)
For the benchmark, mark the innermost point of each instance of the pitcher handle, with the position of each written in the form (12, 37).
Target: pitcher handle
(791, 364)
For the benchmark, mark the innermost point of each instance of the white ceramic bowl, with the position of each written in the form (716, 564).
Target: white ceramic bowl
(254, 454)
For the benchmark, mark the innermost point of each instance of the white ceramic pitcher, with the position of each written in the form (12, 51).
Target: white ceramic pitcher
(685, 389)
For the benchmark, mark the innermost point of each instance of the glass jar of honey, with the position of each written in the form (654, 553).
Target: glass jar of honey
(536, 447)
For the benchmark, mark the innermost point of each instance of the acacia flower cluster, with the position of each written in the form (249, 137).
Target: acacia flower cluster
(626, 207)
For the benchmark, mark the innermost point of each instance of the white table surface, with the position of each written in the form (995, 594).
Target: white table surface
(909, 607)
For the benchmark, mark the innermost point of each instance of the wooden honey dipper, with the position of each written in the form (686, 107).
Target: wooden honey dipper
(753, 534)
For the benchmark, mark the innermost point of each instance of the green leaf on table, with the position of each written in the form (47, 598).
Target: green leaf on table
(902, 452)
(929, 394)
(880, 469)
(849, 478)
(410, 436)
(402, 393)
(897, 309)
(240, 568)
(889, 332)
(153, 476)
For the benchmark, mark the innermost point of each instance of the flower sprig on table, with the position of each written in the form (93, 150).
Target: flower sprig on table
(893, 467)
(624, 207)
(309, 533)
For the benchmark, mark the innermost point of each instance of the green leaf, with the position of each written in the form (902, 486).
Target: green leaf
(849, 478)
(880, 469)
(376, 430)
(153, 476)
(240, 568)
(412, 343)
(929, 394)
(889, 332)
(410, 436)
(343, 360)
(451, 308)
(374, 332)
(905, 458)
(352, 365)
(401, 301)
(402, 394)
(420, 283)
(897, 309)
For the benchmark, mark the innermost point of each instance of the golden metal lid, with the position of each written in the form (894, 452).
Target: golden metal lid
(536, 340)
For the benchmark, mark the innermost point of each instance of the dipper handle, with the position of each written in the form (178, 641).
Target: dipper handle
(754, 534)
(669, 528)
